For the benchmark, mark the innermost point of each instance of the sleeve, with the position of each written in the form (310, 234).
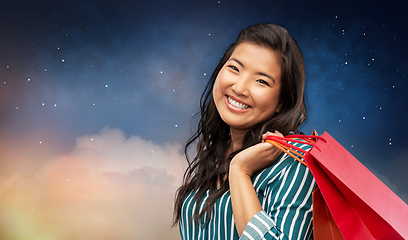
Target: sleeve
(287, 205)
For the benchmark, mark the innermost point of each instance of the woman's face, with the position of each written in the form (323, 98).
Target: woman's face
(246, 90)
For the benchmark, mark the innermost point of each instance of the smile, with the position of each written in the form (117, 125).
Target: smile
(237, 104)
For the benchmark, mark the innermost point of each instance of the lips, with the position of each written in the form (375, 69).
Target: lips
(237, 104)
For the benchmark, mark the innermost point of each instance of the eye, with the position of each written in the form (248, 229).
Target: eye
(263, 82)
(233, 68)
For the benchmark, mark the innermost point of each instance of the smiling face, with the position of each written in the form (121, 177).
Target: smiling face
(246, 90)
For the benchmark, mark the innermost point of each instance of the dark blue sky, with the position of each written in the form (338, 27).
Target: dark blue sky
(71, 68)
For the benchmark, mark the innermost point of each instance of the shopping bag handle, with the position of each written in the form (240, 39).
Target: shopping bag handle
(306, 137)
(293, 151)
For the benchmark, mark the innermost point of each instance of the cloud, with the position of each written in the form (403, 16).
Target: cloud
(393, 175)
(107, 187)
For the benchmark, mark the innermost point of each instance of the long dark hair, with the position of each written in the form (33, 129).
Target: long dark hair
(213, 134)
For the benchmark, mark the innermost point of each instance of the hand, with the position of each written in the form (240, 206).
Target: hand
(267, 134)
(256, 157)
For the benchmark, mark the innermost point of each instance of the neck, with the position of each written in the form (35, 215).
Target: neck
(237, 138)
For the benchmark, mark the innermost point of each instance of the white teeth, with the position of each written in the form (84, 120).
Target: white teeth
(237, 104)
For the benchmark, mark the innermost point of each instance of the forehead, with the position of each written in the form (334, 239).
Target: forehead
(255, 51)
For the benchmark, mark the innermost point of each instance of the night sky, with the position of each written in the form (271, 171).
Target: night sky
(97, 100)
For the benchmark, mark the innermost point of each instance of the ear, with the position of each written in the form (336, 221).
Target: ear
(279, 108)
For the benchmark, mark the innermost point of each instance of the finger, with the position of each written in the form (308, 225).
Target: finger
(269, 149)
(277, 133)
(264, 146)
(267, 134)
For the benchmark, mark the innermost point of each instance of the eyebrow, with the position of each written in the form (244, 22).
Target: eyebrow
(259, 73)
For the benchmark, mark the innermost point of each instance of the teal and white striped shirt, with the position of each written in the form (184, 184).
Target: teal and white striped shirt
(285, 193)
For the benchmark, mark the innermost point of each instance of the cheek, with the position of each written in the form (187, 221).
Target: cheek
(219, 85)
(216, 89)
(268, 101)
(223, 79)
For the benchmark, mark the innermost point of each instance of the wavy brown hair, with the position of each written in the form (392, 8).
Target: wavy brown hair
(211, 164)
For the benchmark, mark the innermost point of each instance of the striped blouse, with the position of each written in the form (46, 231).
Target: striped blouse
(285, 193)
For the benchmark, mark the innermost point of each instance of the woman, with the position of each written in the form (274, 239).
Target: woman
(238, 186)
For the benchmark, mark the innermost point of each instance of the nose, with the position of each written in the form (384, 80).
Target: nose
(241, 86)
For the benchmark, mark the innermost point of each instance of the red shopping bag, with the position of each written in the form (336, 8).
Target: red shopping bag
(360, 204)
(324, 226)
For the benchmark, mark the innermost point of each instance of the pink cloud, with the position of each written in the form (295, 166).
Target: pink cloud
(107, 187)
